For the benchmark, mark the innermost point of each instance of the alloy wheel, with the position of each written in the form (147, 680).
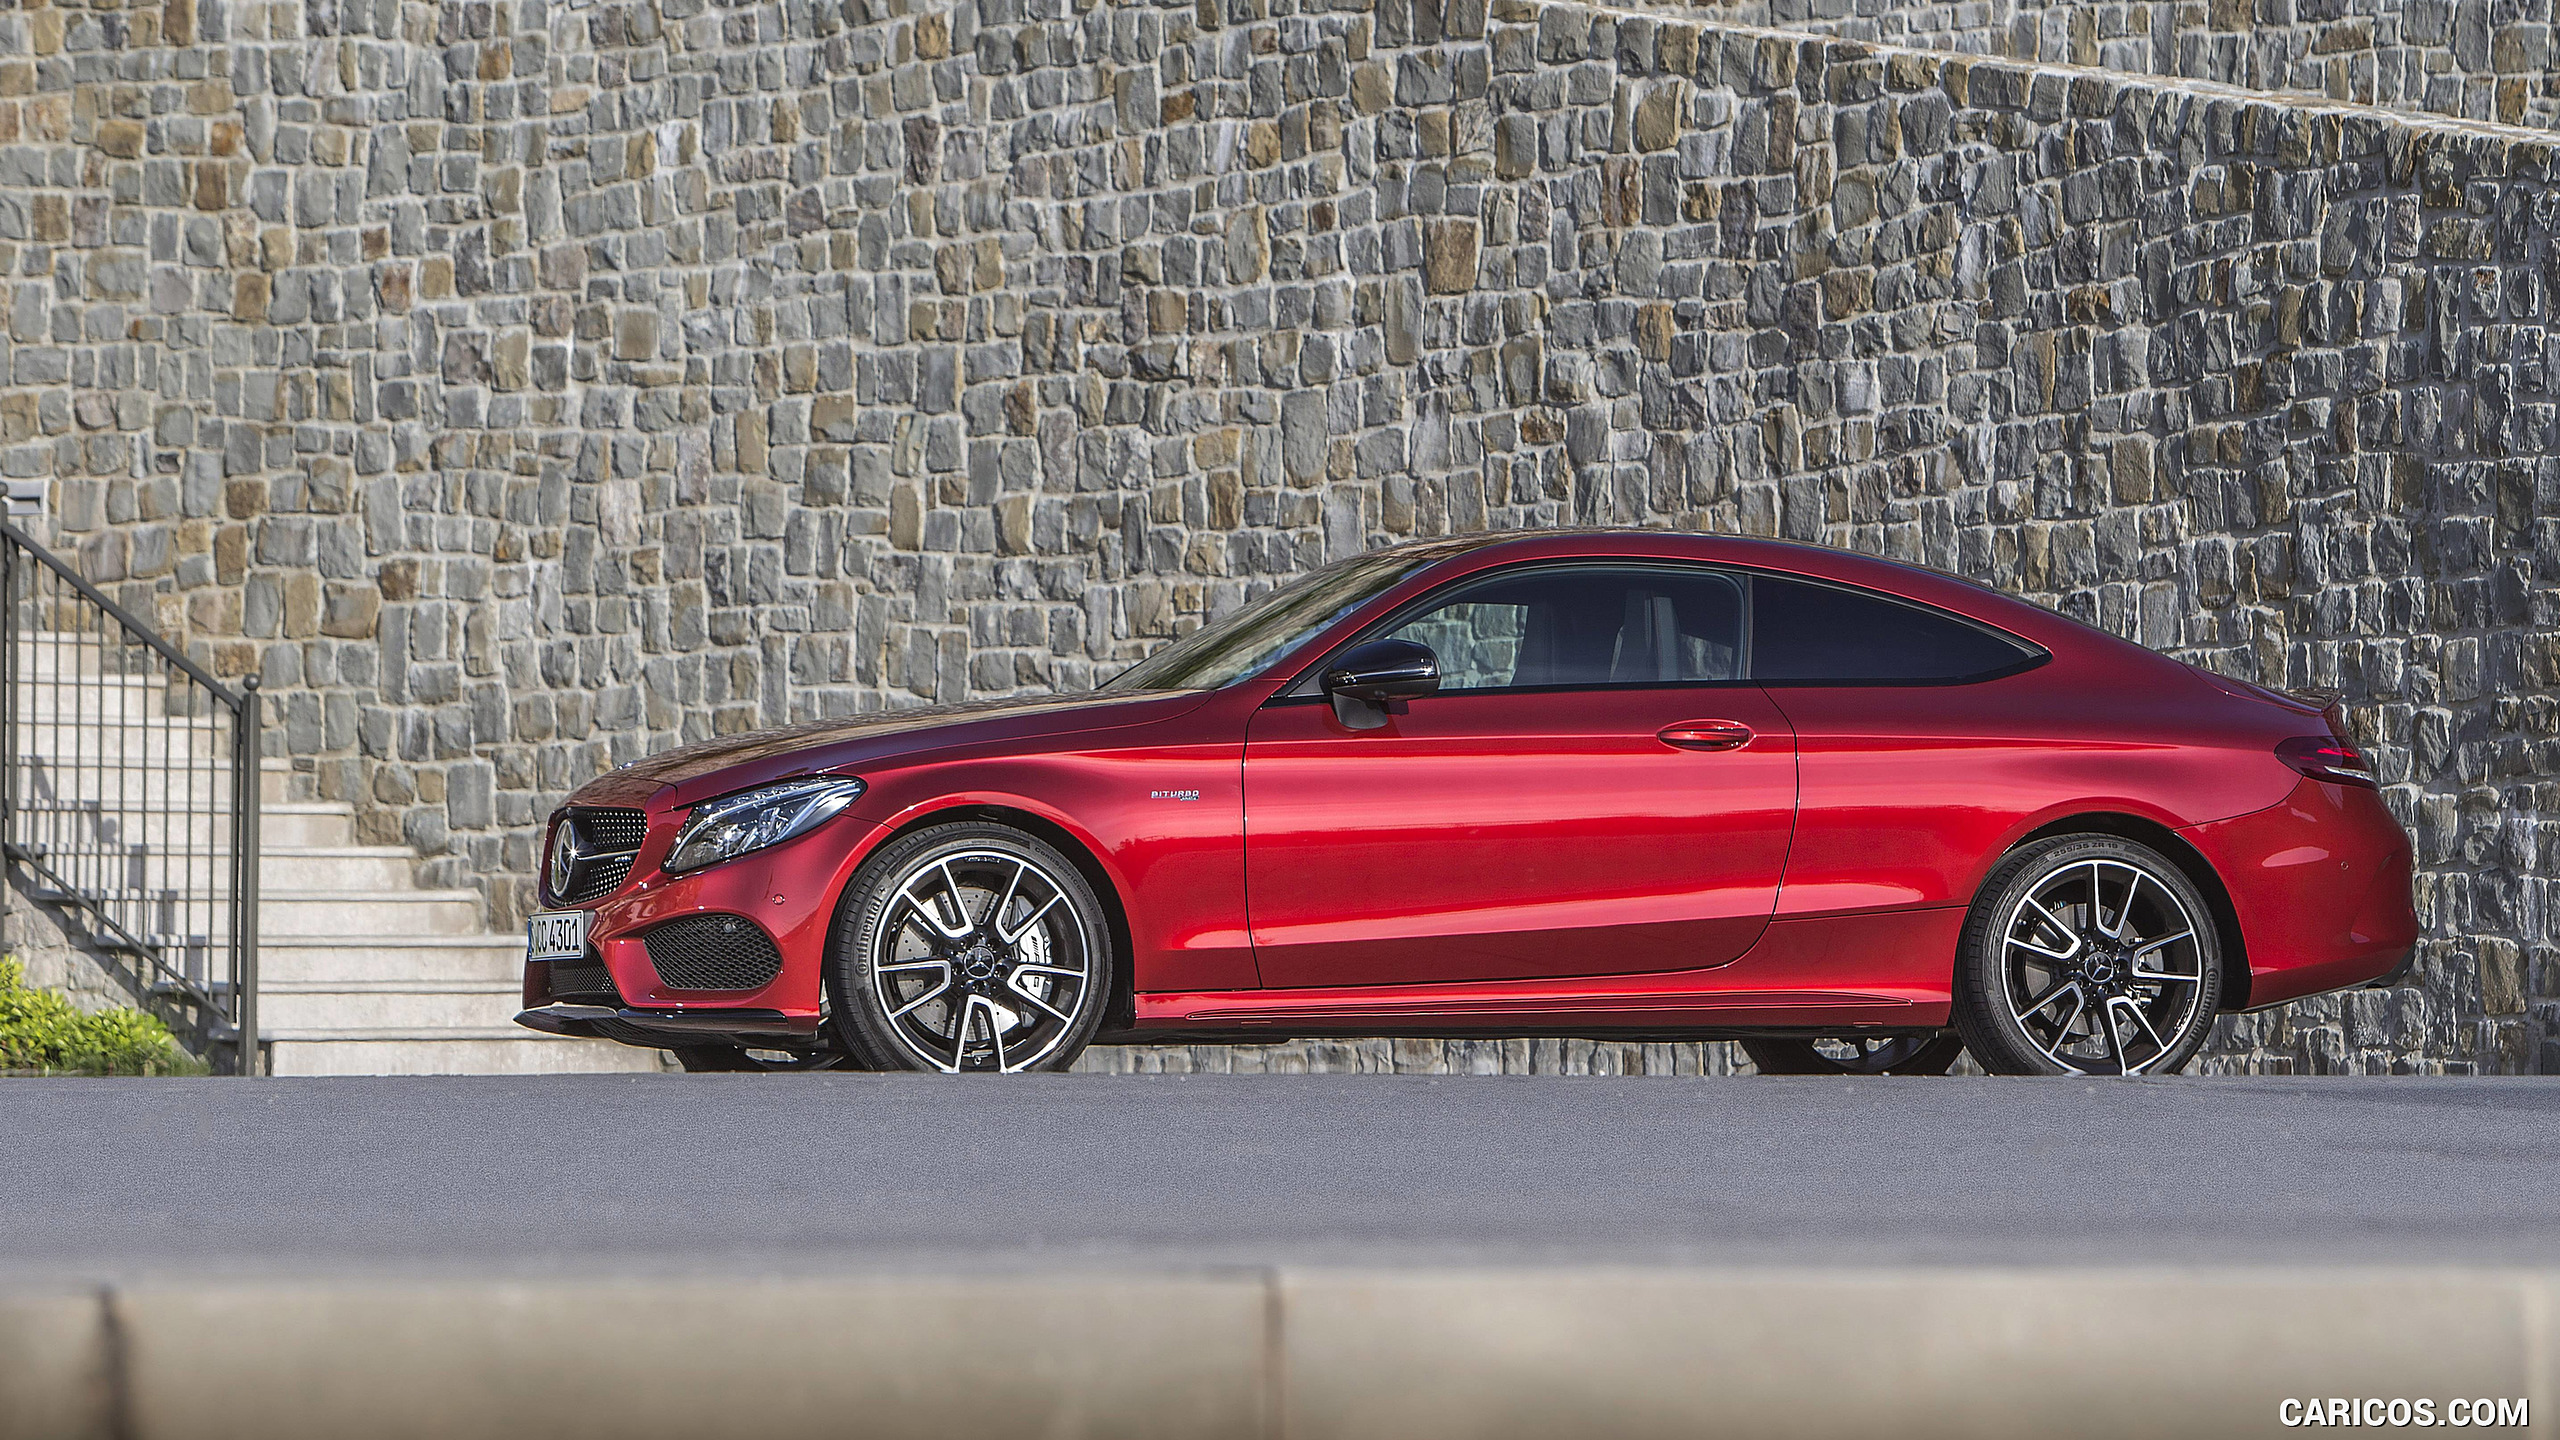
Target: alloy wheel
(2103, 968)
(981, 961)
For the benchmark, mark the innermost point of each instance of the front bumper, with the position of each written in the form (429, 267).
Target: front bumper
(788, 892)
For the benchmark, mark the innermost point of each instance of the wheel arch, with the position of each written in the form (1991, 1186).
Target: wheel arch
(2199, 871)
(1119, 1011)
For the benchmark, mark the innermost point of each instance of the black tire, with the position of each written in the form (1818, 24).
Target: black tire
(909, 992)
(1876, 1055)
(2045, 985)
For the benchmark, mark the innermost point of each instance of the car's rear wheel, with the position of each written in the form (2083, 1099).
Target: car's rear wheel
(2087, 955)
(970, 946)
(1860, 1055)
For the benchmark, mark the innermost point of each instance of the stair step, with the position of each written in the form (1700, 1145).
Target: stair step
(55, 690)
(495, 959)
(326, 912)
(512, 1051)
(41, 710)
(309, 822)
(131, 787)
(86, 777)
(77, 661)
(87, 733)
(367, 869)
(362, 870)
(42, 700)
(78, 652)
(280, 822)
(416, 1005)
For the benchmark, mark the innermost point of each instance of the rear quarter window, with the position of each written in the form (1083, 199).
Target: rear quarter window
(1807, 633)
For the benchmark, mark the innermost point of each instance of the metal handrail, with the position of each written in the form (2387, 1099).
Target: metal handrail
(135, 805)
(134, 629)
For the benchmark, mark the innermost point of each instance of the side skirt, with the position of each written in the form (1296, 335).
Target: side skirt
(1882, 971)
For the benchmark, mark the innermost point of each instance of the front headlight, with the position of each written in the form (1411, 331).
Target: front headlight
(732, 825)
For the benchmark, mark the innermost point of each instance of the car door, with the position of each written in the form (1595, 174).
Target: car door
(1595, 790)
(1917, 749)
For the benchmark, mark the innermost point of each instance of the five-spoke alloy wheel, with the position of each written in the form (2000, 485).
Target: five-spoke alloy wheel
(2087, 955)
(970, 946)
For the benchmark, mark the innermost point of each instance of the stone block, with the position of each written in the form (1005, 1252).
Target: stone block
(1661, 114)
(635, 334)
(1449, 255)
(1303, 432)
(350, 610)
(121, 138)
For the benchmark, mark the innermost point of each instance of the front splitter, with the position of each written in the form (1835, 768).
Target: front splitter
(667, 1027)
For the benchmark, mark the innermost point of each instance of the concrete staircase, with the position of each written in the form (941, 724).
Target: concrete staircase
(361, 972)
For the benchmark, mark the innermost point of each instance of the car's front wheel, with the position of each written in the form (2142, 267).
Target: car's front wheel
(2087, 955)
(969, 946)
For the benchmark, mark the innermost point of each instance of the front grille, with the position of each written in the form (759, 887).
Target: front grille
(580, 984)
(608, 841)
(597, 878)
(713, 952)
(614, 830)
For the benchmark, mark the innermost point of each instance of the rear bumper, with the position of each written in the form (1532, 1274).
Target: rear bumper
(2397, 973)
(2322, 886)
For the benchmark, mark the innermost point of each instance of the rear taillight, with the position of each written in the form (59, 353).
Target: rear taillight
(2326, 757)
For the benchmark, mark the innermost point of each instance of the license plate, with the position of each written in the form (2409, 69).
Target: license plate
(557, 935)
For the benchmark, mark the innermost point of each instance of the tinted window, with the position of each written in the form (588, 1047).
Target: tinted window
(1581, 627)
(1265, 630)
(1823, 634)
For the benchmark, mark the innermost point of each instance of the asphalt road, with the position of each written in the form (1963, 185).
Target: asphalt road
(116, 1179)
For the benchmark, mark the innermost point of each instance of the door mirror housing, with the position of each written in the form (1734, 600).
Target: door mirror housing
(1372, 681)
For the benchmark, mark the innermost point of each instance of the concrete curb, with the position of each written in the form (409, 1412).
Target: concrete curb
(1289, 1354)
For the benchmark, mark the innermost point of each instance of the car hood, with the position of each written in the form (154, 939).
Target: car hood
(757, 757)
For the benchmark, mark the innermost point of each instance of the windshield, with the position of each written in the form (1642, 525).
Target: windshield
(1269, 628)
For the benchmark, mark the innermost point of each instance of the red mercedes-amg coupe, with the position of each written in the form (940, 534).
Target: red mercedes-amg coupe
(1858, 815)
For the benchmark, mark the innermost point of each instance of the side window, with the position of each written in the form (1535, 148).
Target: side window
(1821, 634)
(1585, 626)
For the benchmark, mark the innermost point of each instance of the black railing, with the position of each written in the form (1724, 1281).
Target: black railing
(129, 794)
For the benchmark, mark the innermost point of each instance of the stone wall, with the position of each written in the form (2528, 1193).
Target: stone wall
(51, 945)
(520, 387)
(2476, 59)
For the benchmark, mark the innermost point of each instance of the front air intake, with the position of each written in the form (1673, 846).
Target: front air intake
(713, 952)
(582, 983)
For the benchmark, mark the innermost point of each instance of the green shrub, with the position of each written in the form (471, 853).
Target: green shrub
(42, 1031)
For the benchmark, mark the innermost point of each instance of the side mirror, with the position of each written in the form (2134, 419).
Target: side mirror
(1372, 681)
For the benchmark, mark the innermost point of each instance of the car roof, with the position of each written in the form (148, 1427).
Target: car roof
(1459, 555)
(1757, 552)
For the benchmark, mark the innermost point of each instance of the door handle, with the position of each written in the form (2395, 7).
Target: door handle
(1707, 735)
